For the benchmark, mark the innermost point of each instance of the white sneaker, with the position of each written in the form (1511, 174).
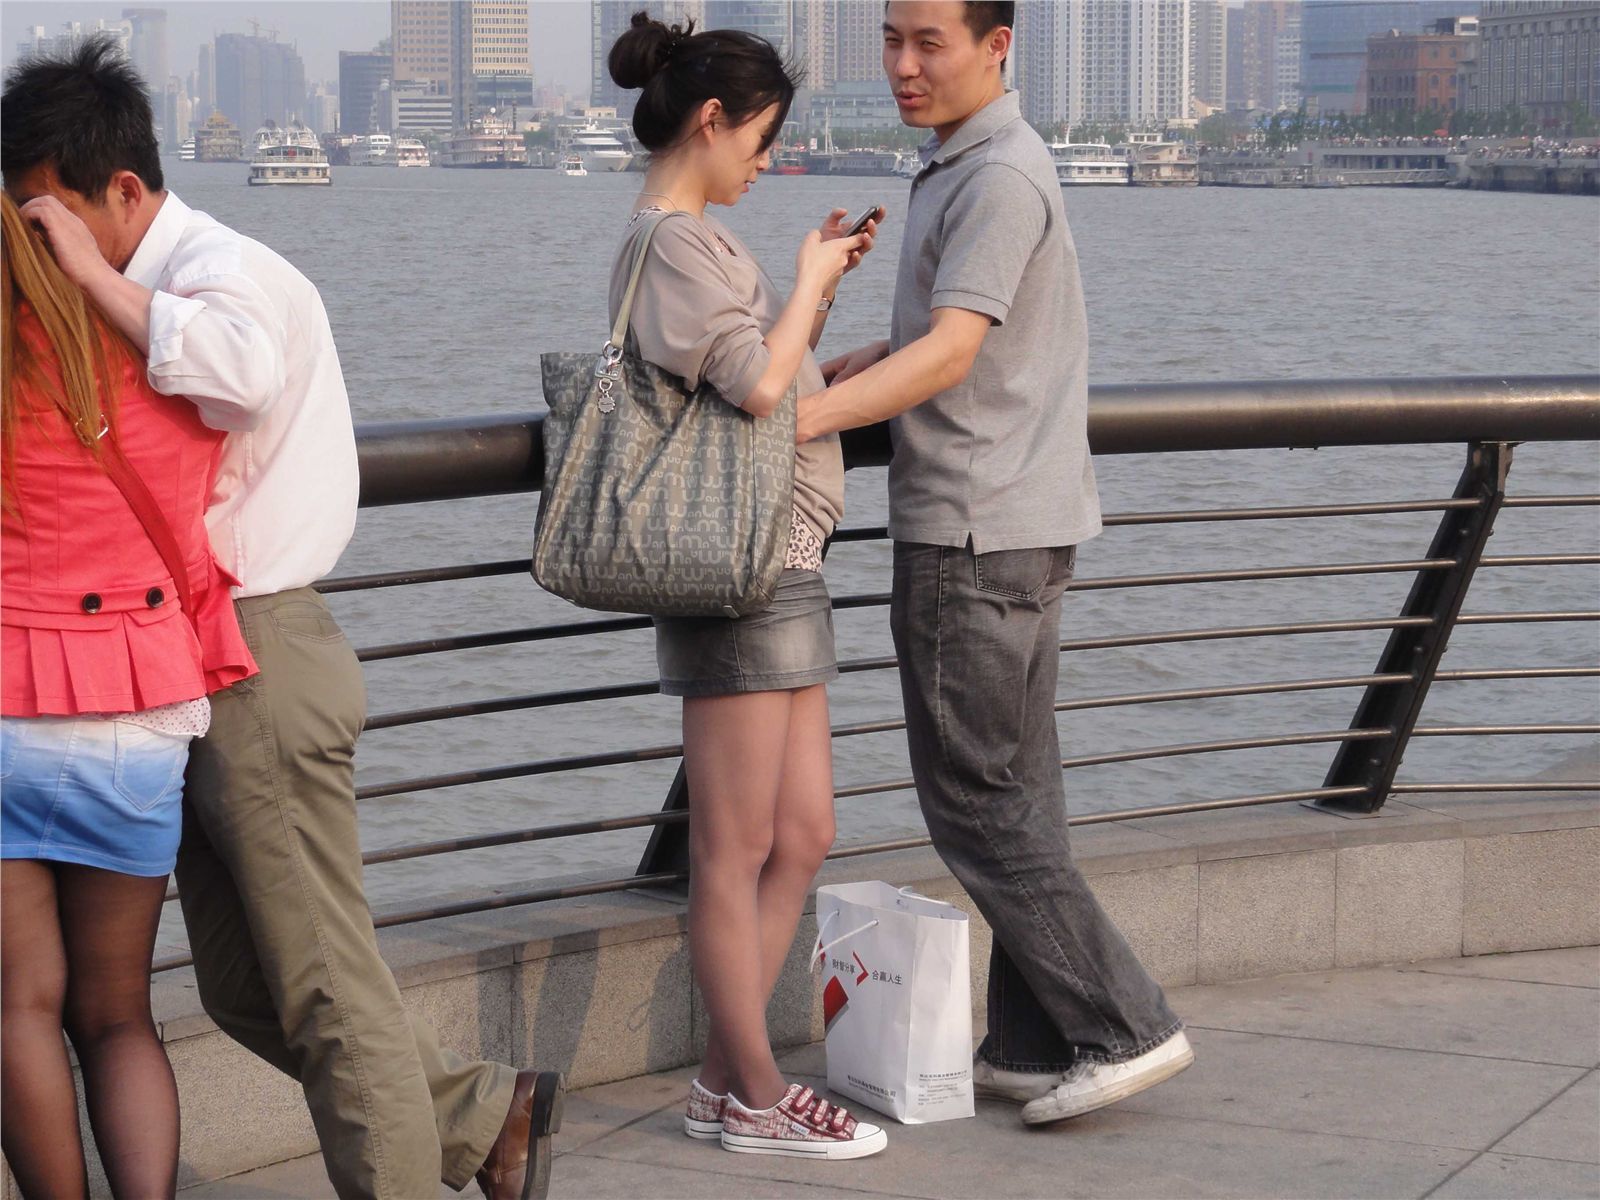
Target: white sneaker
(801, 1125)
(702, 1119)
(1089, 1086)
(990, 1082)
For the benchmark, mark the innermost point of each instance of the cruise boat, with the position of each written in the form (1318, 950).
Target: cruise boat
(373, 150)
(1153, 162)
(487, 142)
(218, 140)
(907, 164)
(186, 151)
(410, 152)
(598, 148)
(291, 156)
(573, 165)
(1088, 164)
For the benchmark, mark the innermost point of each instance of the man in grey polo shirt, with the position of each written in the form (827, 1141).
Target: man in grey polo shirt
(991, 489)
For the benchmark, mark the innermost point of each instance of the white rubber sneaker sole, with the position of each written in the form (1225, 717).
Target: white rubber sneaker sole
(859, 1147)
(1049, 1109)
(705, 1131)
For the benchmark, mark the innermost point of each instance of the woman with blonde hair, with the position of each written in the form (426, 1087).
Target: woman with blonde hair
(117, 623)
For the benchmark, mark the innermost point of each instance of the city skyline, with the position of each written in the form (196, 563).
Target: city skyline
(317, 29)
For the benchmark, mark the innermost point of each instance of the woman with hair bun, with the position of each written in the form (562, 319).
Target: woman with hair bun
(756, 738)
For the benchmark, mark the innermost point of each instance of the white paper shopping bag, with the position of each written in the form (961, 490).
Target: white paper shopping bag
(897, 1000)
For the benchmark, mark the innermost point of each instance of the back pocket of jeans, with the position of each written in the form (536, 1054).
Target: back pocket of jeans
(1020, 574)
(149, 765)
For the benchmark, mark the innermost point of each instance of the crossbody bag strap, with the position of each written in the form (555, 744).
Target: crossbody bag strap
(132, 486)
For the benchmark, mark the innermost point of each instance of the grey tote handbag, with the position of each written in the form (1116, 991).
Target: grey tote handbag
(658, 499)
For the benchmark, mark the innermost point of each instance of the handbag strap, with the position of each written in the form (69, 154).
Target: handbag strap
(128, 481)
(619, 330)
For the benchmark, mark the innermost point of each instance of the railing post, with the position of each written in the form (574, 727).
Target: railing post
(668, 848)
(1416, 651)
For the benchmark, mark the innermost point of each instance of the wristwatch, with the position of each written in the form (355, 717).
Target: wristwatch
(825, 304)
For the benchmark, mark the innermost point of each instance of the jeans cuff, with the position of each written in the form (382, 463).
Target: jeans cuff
(1028, 1068)
(1096, 1056)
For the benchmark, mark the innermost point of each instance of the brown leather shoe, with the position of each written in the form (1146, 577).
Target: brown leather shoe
(518, 1166)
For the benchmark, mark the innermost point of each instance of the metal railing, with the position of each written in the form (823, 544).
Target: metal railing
(455, 459)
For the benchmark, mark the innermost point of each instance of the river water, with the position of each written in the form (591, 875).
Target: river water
(444, 287)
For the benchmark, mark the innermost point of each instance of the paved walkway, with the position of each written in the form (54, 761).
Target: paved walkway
(1462, 1078)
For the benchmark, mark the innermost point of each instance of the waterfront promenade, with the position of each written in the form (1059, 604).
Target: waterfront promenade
(1468, 1077)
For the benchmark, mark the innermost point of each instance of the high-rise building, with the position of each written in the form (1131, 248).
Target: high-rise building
(1334, 35)
(858, 40)
(205, 82)
(1235, 22)
(1039, 62)
(362, 75)
(608, 20)
(1208, 51)
(1541, 57)
(259, 79)
(493, 67)
(37, 40)
(1268, 53)
(147, 45)
(765, 18)
(1103, 60)
(420, 33)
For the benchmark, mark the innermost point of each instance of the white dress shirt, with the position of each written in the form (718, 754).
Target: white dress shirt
(243, 335)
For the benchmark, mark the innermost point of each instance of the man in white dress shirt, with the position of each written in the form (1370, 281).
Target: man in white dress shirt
(270, 870)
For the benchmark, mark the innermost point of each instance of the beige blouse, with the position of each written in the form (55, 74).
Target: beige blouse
(701, 312)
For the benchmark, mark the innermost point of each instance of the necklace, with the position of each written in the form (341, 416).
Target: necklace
(663, 196)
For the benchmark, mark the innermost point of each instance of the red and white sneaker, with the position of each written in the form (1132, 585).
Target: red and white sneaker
(703, 1119)
(801, 1125)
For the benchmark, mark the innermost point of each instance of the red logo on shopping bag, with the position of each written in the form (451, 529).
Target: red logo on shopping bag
(861, 978)
(834, 1002)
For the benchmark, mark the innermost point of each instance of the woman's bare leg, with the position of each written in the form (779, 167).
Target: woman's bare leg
(39, 1128)
(108, 925)
(734, 749)
(803, 830)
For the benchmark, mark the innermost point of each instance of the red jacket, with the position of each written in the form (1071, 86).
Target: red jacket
(91, 620)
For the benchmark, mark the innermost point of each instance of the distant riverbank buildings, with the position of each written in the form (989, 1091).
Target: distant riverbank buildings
(1543, 58)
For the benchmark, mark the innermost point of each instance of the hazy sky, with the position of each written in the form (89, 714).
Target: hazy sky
(320, 28)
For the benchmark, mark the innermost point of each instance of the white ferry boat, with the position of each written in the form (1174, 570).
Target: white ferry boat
(598, 148)
(486, 142)
(410, 152)
(289, 156)
(573, 165)
(186, 151)
(1095, 164)
(907, 164)
(373, 150)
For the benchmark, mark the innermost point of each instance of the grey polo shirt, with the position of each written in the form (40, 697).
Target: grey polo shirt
(1002, 459)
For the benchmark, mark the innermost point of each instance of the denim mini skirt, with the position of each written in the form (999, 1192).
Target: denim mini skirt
(787, 645)
(93, 791)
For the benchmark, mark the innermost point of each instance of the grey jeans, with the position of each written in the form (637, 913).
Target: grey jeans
(978, 637)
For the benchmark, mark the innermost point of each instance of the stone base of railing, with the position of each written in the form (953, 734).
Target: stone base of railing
(602, 988)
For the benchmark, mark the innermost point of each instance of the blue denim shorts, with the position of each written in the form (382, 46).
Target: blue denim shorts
(93, 791)
(789, 644)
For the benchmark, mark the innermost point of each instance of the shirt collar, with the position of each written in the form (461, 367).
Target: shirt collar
(159, 241)
(981, 126)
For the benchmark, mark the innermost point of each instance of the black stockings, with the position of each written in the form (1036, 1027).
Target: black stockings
(75, 949)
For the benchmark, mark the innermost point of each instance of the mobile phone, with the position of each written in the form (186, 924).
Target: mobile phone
(860, 223)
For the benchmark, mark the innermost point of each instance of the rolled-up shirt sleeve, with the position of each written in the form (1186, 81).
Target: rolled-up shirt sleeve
(991, 229)
(689, 320)
(217, 340)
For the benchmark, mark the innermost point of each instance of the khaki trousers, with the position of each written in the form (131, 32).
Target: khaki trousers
(269, 875)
